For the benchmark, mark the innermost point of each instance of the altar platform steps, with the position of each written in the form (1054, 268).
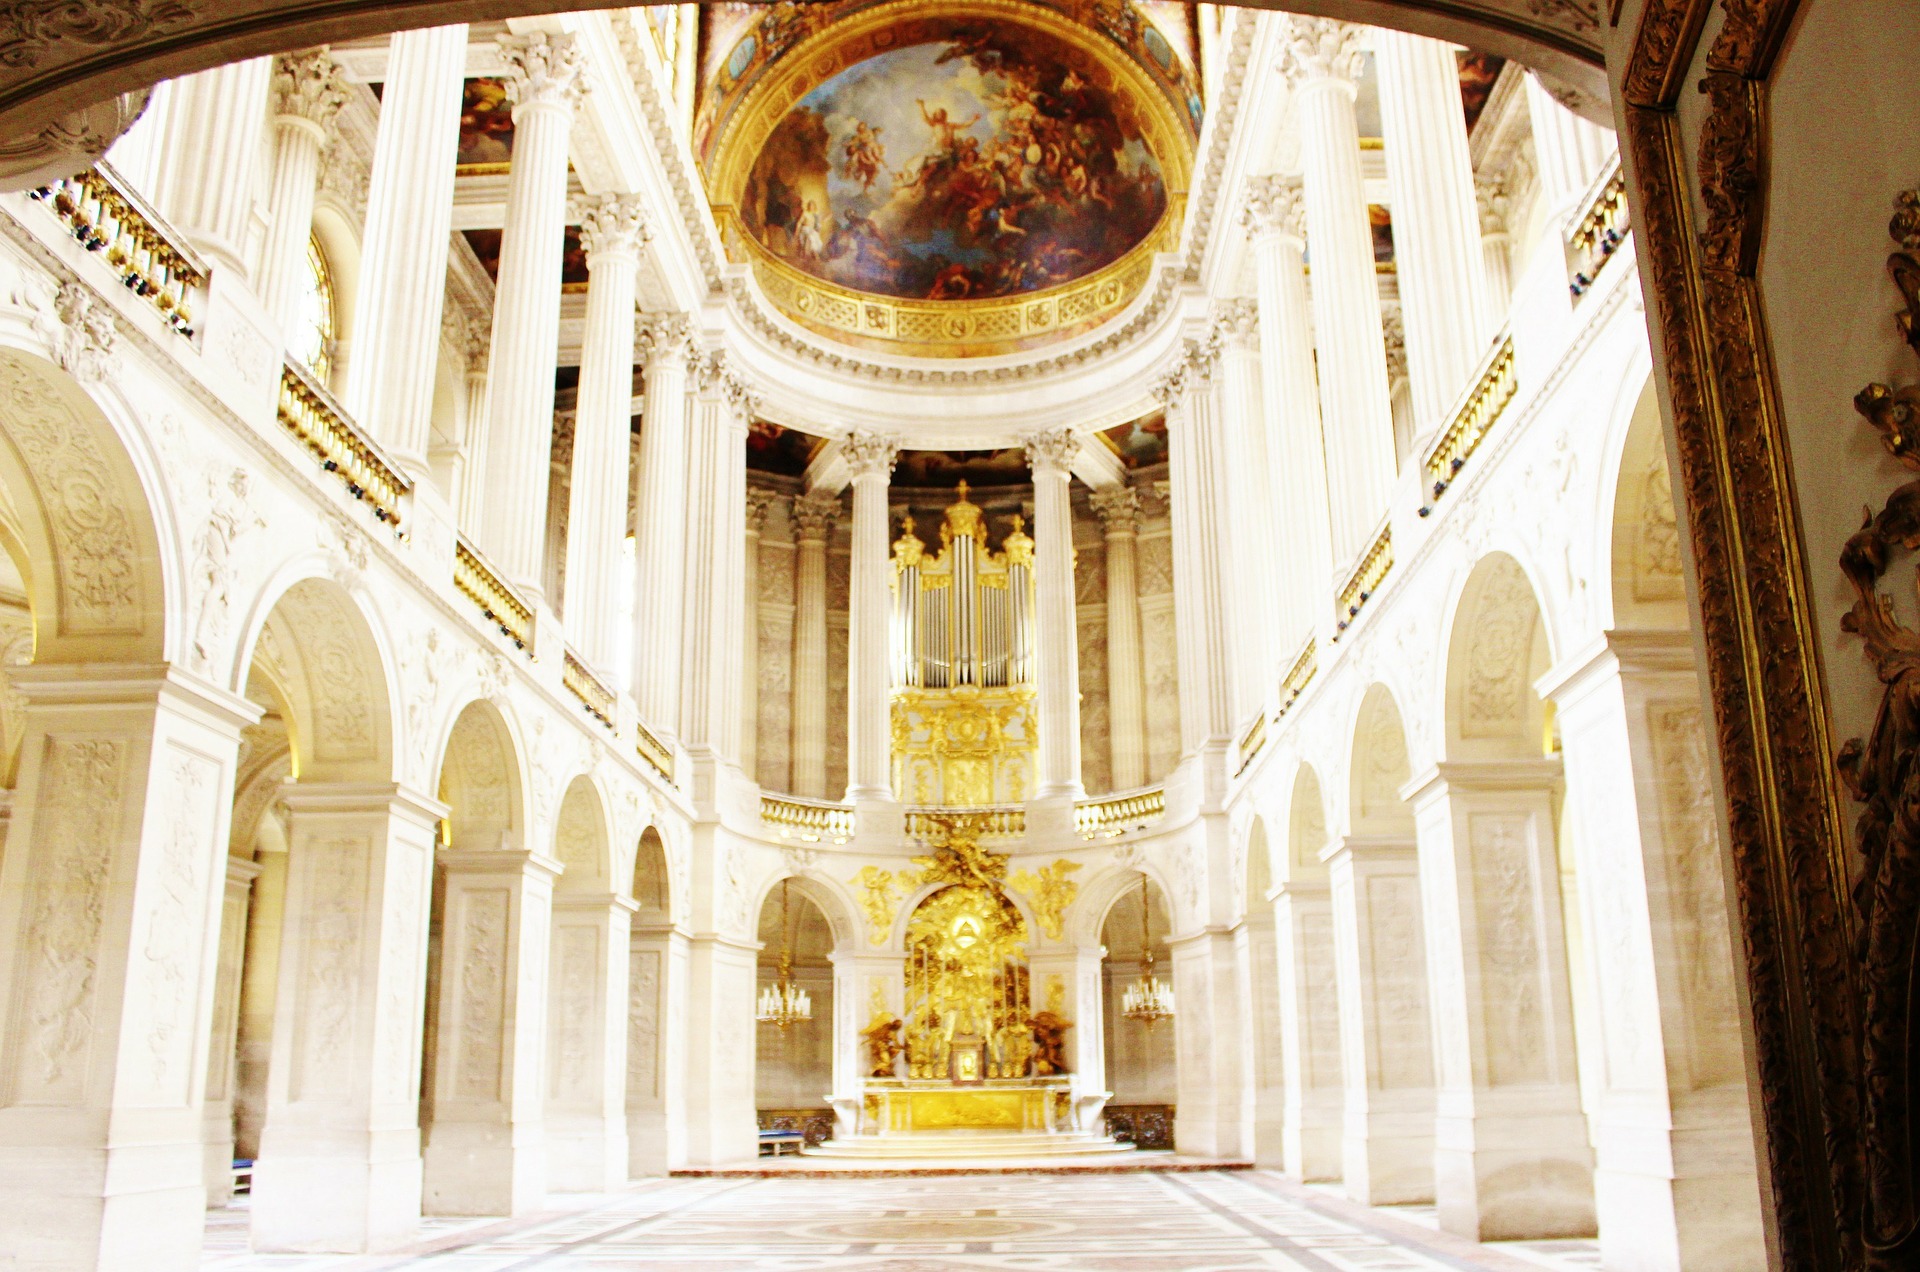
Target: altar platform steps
(971, 1143)
(971, 1152)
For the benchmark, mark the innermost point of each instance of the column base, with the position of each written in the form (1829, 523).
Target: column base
(216, 1168)
(1514, 1175)
(1312, 1138)
(653, 1146)
(1387, 1153)
(586, 1153)
(62, 1211)
(879, 821)
(337, 1194)
(477, 1168)
(1686, 1197)
(1050, 819)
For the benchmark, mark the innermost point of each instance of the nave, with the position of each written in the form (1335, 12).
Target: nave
(1087, 1222)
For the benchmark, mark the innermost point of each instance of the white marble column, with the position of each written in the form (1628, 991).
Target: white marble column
(657, 971)
(1496, 241)
(224, 1035)
(713, 641)
(1511, 1157)
(758, 500)
(1302, 561)
(1051, 456)
(1243, 435)
(1119, 510)
(1438, 261)
(587, 1022)
(1569, 151)
(612, 228)
(308, 92)
(1676, 1182)
(543, 83)
(1386, 1047)
(1309, 1027)
(1322, 59)
(871, 458)
(110, 893)
(403, 266)
(1213, 1112)
(659, 538)
(486, 1146)
(339, 1165)
(205, 178)
(1202, 527)
(814, 515)
(469, 472)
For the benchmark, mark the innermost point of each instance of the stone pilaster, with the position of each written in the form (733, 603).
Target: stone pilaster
(1302, 563)
(758, 500)
(1321, 62)
(587, 1026)
(1439, 263)
(1052, 456)
(1119, 510)
(224, 1035)
(543, 84)
(661, 504)
(1309, 1028)
(1213, 1115)
(403, 265)
(871, 457)
(720, 1051)
(657, 971)
(814, 516)
(308, 92)
(469, 474)
(612, 228)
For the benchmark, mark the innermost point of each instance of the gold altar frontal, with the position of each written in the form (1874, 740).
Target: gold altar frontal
(906, 1105)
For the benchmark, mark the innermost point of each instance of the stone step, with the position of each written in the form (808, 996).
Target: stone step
(944, 1144)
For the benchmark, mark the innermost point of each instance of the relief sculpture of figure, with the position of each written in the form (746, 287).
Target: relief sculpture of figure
(1049, 1043)
(883, 1044)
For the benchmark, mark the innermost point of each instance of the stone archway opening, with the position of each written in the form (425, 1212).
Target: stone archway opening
(1142, 1061)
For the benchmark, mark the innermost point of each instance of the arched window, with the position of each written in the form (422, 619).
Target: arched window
(311, 340)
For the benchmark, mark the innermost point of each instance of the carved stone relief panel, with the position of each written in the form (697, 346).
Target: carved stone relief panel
(1321, 1007)
(1505, 896)
(1096, 751)
(576, 976)
(164, 983)
(774, 667)
(330, 964)
(643, 1025)
(1399, 981)
(1496, 693)
(1656, 536)
(481, 958)
(836, 703)
(401, 970)
(1089, 566)
(1162, 674)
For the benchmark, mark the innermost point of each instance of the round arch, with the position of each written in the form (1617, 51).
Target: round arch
(1378, 767)
(483, 779)
(322, 657)
(1498, 645)
(1639, 529)
(582, 838)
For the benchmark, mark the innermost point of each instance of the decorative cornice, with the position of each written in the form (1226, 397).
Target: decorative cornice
(871, 453)
(1052, 451)
(611, 224)
(1319, 49)
(308, 86)
(542, 70)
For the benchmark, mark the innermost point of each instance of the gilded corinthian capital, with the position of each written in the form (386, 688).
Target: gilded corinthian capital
(1321, 49)
(542, 70)
(308, 86)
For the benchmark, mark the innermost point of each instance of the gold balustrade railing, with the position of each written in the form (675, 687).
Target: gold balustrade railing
(1294, 683)
(811, 821)
(320, 424)
(656, 753)
(1250, 742)
(1113, 815)
(588, 688)
(1000, 821)
(1366, 578)
(1472, 419)
(1599, 232)
(482, 585)
(105, 216)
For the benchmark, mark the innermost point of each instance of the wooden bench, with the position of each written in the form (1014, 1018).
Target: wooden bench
(774, 1143)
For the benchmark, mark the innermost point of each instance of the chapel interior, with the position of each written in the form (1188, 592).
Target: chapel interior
(958, 633)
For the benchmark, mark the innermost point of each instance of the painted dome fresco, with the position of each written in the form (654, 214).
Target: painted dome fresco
(949, 179)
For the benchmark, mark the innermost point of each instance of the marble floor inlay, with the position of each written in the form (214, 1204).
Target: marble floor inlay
(1075, 1223)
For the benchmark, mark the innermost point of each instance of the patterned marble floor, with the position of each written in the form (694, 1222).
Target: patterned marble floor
(1073, 1223)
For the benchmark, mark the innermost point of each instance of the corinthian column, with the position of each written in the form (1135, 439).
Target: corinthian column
(814, 516)
(871, 457)
(1495, 241)
(308, 92)
(758, 500)
(1119, 511)
(659, 558)
(1052, 455)
(1244, 449)
(611, 231)
(403, 270)
(713, 642)
(1322, 60)
(1436, 227)
(543, 83)
(1296, 451)
(204, 181)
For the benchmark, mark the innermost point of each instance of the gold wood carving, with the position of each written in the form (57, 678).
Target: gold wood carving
(1763, 671)
(876, 898)
(1050, 891)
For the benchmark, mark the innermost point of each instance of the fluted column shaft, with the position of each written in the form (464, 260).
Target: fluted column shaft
(712, 643)
(308, 92)
(1354, 399)
(543, 83)
(758, 500)
(204, 181)
(871, 457)
(469, 478)
(403, 266)
(814, 517)
(1119, 511)
(659, 557)
(1052, 455)
(1569, 151)
(611, 231)
(1437, 254)
(1201, 524)
(1303, 561)
(1496, 244)
(1244, 455)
